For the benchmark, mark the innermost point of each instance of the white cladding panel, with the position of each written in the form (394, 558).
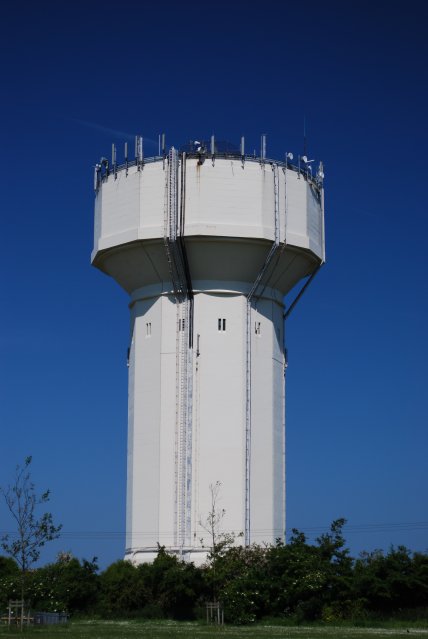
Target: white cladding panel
(267, 422)
(151, 436)
(224, 199)
(120, 205)
(229, 199)
(144, 421)
(152, 201)
(297, 224)
(220, 396)
(315, 222)
(304, 215)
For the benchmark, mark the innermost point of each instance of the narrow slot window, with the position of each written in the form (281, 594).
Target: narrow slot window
(257, 328)
(148, 329)
(221, 324)
(224, 324)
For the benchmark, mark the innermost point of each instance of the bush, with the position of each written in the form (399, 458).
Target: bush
(8, 567)
(122, 590)
(67, 585)
(175, 586)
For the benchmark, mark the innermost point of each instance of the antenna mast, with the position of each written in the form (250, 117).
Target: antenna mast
(305, 149)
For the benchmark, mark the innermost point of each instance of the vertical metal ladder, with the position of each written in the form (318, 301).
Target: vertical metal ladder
(177, 264)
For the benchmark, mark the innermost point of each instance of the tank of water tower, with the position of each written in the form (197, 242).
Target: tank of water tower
(207, 240)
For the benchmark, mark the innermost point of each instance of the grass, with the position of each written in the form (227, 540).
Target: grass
(80, 629)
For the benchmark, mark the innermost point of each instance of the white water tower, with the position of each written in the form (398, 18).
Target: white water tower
(206, 241)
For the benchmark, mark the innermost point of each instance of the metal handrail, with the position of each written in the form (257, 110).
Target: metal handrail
(107, 170)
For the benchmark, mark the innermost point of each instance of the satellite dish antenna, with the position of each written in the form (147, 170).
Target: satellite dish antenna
(289, 156)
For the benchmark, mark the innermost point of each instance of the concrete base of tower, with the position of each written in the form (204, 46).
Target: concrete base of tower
(197, 556)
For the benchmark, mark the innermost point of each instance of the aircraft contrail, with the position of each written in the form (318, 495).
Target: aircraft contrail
(115, 132)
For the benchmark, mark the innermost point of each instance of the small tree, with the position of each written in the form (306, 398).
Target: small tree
(214, 518)
(32, 533)
(219, 541)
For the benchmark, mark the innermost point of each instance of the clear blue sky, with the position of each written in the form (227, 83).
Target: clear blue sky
(78, 76)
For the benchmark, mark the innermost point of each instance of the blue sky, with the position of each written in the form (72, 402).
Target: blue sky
(77, 77)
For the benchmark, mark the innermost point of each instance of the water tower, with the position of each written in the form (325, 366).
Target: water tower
(206, 240)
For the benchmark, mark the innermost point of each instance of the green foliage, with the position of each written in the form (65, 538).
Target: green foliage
(10, 581)
(32, 533)
(295, 582)
(67, 585)
(70, 586)
(243, 582)
(219, 542)
(122, 590)
(396, 580)
(175, 586)
(165, 588)
(297, 579)
(10, 588)
(8, 567)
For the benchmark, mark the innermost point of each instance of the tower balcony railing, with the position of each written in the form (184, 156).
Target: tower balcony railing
(104, 169)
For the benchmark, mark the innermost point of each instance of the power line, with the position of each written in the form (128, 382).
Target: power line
(348, 529)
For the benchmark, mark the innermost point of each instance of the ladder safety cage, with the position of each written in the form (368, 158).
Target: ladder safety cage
(183, 293)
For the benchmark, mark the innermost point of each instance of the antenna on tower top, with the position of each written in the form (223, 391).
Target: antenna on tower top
(263, 147)
(139, 156)
(114, 159)
(242, 146)
(305, 149)
(213, 149)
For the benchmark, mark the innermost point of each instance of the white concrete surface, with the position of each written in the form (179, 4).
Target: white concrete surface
(229, 229)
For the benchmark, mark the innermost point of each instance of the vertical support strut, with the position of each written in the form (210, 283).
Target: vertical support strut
(255, 293)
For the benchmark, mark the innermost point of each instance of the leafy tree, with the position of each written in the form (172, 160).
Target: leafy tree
(219, 542)
(297, 578)
(243, 578)
(8, 567)
(420, 579)
(175, 586)
(66, 585)
(337, 564)
(122, 591)
(32, 533)
(392, 581)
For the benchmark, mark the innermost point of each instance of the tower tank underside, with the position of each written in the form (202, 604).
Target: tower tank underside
(206, 247)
